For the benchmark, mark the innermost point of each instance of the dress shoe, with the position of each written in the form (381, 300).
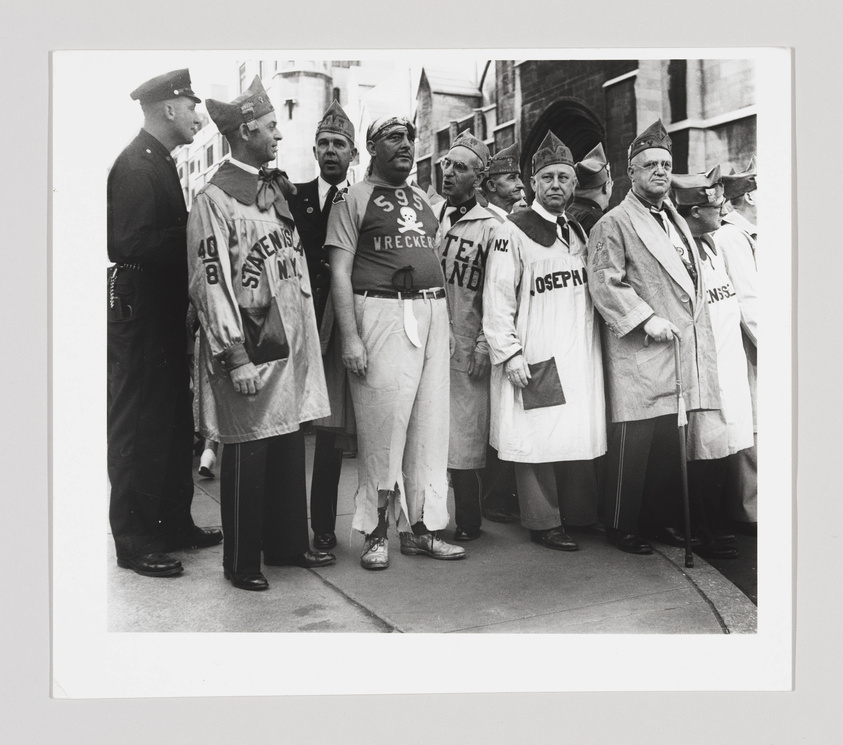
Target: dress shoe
(466, 534)
(307, 560)
(152, 565)
(555, 538)
(499, 515)
(194, 537)
(324, 541)
(428, 544)
(253, 581)
(628, 542)
(375, 554)
(716, 550)
(673, 537)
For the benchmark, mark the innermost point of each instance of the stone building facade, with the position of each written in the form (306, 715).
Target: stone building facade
(707, 106)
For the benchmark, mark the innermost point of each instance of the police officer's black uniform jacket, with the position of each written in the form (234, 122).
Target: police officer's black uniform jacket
(150, 427)
(312, 224)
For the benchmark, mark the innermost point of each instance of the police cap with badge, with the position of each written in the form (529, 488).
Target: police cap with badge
(175, 84)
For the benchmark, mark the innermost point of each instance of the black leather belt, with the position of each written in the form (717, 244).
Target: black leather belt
(434, 293)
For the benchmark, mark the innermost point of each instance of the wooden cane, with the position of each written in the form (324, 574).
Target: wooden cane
(682, 420)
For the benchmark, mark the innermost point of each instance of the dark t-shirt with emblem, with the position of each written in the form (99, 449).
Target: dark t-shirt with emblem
(387, 228)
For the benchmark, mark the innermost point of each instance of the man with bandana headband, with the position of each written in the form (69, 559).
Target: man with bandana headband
(389, 299)
(259, 364)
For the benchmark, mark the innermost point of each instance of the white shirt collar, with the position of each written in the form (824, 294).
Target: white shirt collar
(544, 213)
(497, 210)
(541, 211)
(245, 166)
(324, 187)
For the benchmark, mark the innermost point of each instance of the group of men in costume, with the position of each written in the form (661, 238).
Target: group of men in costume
(387, 322)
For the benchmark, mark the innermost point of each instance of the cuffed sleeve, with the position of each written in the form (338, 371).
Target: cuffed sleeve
(210, 281)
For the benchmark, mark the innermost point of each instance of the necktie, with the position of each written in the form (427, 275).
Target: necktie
(678, 244)
(563, 226)
(329, 200)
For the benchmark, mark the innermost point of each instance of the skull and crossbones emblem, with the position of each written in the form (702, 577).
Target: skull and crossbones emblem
(408, 221)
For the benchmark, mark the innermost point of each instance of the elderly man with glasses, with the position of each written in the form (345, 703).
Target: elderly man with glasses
(645, 279)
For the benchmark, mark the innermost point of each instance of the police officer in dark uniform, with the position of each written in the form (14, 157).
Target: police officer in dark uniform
(594, 189)
(150, 420)
(334, 150)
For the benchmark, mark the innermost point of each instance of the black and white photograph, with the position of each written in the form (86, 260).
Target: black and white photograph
(419, 354)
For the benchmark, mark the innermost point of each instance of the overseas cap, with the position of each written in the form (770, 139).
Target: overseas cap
(550, 152)
(336, 121)
(696, 189)
(175, 84)
(506, 161)
(250, 105)
(738, 184)
(386, 124)
(593, 169)
(654, 136)
(478, 147)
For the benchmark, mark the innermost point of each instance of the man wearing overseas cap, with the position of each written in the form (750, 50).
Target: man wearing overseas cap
(389, 298)
(150, 419)
(311, 204)
(737, 238)
(715, 437)
(501, 183)
(594, 189)
(548, 412)
(465, 243)
(645, 281)
(503, 188)
(260, 368)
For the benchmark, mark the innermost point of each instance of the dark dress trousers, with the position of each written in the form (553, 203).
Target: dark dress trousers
(150, 419)
(312, 223)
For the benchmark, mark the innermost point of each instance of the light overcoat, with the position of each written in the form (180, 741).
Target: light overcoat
(635, 272)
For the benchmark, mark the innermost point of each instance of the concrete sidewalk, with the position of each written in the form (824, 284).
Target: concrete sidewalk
(506, 584)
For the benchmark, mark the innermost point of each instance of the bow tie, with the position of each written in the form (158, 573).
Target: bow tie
(273, 187)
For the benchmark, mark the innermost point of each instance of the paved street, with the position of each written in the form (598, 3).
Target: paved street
(506, 584)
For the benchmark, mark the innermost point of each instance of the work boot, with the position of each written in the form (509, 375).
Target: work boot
(430, 545)
(375, 553)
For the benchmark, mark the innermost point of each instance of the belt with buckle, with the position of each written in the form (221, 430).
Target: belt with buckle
(434, 293)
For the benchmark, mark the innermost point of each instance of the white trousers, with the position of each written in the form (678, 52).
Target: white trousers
(401, 406)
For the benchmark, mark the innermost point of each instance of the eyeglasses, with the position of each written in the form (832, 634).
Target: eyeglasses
(457, 166)
(653, 165)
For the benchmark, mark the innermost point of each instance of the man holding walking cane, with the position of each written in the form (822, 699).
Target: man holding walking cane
(645, 281)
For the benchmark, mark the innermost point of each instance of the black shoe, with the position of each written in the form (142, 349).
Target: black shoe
(307, 560)
(152, 565)
(324, 541)
(254, 581)
(716, 550)
(628, 542)
(206, 473)
(466, 534)
(555, 538)
(194, 537)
